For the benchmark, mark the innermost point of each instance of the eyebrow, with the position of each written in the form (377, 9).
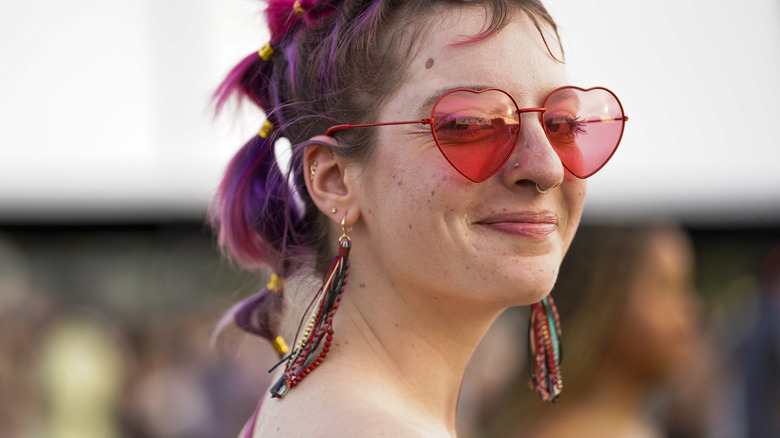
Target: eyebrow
(563, 95)
(425, 107)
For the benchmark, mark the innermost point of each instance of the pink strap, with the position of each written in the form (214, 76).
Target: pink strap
(252, 421)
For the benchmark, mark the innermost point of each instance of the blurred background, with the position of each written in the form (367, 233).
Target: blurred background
(110, 284)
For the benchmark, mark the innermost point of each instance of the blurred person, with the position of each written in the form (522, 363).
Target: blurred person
(439, 162)
(630, 320)
(80, 366)
(180, 388)
(758, 358)
(25, 316)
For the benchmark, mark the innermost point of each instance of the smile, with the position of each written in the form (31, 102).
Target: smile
(533, 226)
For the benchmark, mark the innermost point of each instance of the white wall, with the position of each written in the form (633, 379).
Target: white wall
(104, 105)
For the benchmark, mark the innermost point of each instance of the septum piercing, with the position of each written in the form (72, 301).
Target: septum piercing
(539, 189)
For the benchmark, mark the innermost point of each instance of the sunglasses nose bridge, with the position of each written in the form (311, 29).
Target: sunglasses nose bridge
(534, 146)
(522, 111)
(531, 110)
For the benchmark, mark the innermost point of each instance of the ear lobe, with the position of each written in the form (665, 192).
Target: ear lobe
(327, 180)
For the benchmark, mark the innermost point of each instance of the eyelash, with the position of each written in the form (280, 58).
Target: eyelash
(576, 126)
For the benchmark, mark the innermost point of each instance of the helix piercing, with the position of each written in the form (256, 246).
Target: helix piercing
(312, 169)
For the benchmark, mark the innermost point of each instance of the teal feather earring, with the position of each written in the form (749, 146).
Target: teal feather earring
(544, 350)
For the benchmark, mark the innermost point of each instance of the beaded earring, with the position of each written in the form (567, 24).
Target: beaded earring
(544, 350)
(320, 326)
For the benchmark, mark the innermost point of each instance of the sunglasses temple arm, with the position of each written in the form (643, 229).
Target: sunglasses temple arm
(623, 119)
(335, 128)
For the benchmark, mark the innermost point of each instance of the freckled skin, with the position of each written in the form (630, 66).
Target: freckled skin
(447, 224)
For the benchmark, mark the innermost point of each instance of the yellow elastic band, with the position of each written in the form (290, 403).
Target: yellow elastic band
(266, 52)
(266, 130)
(280, 346)
(297, 8)
(275, 283)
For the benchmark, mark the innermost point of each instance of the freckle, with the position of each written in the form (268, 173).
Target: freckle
(400, 182)
(432, 192)
(396, 324)
(429, 63)
(468, 267)
(362, 285)
(435, 298)
(410, 226)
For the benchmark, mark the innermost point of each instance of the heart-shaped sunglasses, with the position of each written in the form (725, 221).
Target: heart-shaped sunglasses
(477, 130)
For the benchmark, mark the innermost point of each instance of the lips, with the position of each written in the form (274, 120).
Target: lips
(529, 225)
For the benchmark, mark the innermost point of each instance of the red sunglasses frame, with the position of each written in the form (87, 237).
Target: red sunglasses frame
(430, 121)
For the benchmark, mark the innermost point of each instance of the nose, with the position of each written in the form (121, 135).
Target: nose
(534, 162)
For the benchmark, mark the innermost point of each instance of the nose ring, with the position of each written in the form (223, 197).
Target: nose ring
(539, 189)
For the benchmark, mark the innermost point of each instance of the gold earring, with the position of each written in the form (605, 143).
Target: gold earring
(312, 169)
(333, 210)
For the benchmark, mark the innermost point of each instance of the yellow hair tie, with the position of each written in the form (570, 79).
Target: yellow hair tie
(297, 8)
(280, 346)
(266, 52)
(275, 283)
(265, 132)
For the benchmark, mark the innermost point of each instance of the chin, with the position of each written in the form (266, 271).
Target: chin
(531, 291)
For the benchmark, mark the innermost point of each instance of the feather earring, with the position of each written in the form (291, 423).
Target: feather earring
(323, 307)
(544, 350)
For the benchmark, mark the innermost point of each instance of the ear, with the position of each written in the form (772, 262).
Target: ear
(329, 180)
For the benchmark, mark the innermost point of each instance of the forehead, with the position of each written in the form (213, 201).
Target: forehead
(515, 59)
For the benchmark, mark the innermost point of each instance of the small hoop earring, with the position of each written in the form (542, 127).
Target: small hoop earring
(539, 189)
(312, 169)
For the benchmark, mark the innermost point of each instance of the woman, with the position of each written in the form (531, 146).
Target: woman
(446, 213)
(628, 309)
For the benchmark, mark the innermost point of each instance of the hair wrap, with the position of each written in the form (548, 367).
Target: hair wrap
(266, 52)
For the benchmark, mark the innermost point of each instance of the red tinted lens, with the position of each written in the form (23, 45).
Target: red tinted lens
(584, 127)
(476, 130)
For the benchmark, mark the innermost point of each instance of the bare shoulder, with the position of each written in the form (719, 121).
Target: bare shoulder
(318, 417)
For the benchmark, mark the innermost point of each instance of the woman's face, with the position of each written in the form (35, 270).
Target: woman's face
(659, 332)
(426, 228)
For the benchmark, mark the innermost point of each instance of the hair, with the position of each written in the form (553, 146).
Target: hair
(594, 284)
(334, 62)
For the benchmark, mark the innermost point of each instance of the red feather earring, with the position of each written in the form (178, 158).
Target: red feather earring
(544, 350)
(326, 302)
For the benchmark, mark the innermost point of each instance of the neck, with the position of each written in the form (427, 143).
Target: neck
(408, 349)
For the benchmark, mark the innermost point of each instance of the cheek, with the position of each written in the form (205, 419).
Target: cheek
(574, 192)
